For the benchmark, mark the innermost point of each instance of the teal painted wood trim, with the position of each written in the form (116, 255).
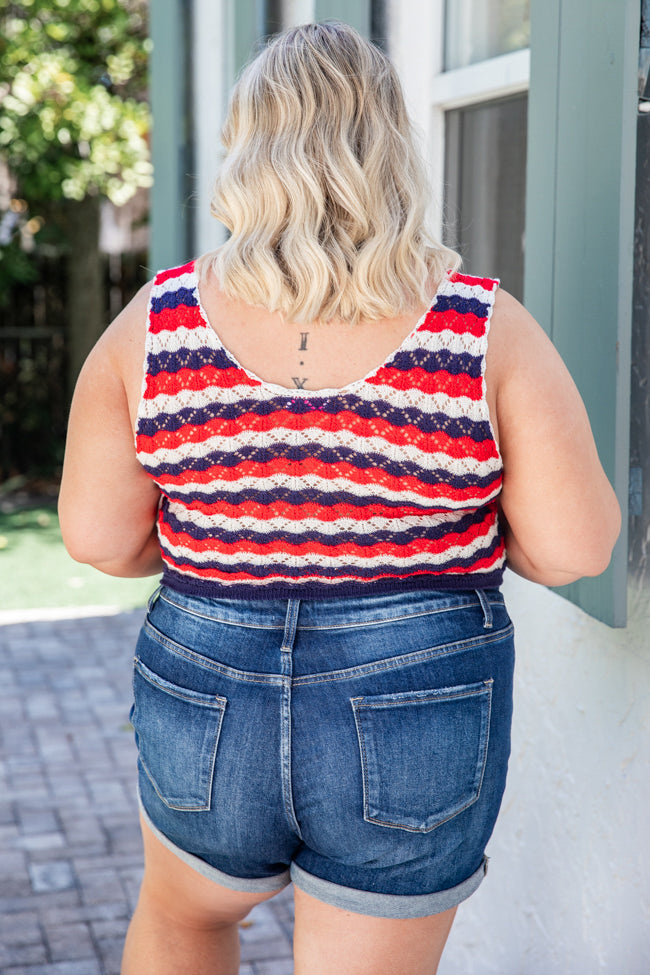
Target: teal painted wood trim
(248, 20)
(580, 227)
(356, 13)
(541, 165)
(170, 213)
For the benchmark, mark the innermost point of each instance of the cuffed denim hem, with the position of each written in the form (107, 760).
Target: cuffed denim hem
(386, 905)
(248, 885)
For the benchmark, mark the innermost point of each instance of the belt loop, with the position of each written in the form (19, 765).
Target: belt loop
(290, 624)
(153, 597)
(487, 609)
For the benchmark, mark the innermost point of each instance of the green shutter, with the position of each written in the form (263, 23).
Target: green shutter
(580, 227)
(356, 13)
(171, 214)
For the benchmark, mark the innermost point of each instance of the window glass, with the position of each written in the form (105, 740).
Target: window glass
(476, 30)
(485, 188)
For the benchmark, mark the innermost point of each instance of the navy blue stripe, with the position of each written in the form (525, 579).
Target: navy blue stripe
(464, 306)
(364, 572)
(309, 452)
(287, 496)
(364, 539)
(478, 430)
(428, 360)
(429, 581)
(308, 496)
(456, 363)
(172, 299)
(183, 358)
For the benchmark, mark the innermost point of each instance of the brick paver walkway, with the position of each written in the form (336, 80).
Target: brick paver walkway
(70, 854)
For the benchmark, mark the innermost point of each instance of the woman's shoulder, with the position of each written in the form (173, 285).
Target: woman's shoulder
(128, 330)
(120, 350)
(515, 336)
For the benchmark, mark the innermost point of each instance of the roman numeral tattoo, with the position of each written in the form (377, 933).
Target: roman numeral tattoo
(303, 341)
(299, 383)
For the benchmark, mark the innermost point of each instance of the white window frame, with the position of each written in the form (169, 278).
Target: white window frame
(417, 33)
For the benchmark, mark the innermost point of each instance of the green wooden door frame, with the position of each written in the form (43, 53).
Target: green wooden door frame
(172, 140)
(580, 228)
(248, 26)
(356, 13)
(248, 19)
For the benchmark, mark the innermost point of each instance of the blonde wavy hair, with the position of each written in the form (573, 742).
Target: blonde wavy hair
(322, 189)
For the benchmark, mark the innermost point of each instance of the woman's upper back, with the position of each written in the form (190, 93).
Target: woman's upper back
(274, 488)
(319, 355)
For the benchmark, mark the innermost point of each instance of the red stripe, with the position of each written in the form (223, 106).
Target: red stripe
(438, 441)
(454, 321)
(368, 477)
(207, 377)
(440, 381)
(169, 319)
(174, 272)
(489, 284)
(298, 512)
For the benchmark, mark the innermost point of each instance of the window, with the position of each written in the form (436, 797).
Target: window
(477, 30)
(483, 95)
(485, 168)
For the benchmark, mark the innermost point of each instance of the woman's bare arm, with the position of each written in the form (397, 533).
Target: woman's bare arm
(561, 516)
(107, 504)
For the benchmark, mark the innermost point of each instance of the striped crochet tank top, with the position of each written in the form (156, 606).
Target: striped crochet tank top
(389, 483)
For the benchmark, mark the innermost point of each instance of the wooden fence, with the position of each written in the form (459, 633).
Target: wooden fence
(34, 398)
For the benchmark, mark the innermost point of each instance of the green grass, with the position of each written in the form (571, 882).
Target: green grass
(36, 571)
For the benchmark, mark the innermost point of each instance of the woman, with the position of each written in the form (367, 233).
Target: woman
(333, 461)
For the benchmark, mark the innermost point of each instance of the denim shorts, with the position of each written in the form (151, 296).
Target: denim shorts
(357, 747)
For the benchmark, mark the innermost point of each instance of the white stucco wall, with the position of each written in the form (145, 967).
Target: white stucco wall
(568, 887)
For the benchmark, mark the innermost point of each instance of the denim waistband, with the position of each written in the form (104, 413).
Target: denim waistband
(332, 613)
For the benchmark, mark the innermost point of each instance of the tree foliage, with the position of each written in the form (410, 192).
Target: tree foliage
(72, 79)
(74, 124)
(74, 120)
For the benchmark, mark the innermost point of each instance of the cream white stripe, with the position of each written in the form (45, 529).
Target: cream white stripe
(455, 407)
(185, 280)
(180, 338)
(299, 526)
(445, 340)
(194, 338)
(465, 290)
(372, 492)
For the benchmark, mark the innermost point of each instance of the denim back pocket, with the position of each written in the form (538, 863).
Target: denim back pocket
(177, 732)
(423, 753)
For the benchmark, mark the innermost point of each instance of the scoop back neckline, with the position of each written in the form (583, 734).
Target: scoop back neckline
(279, 390)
